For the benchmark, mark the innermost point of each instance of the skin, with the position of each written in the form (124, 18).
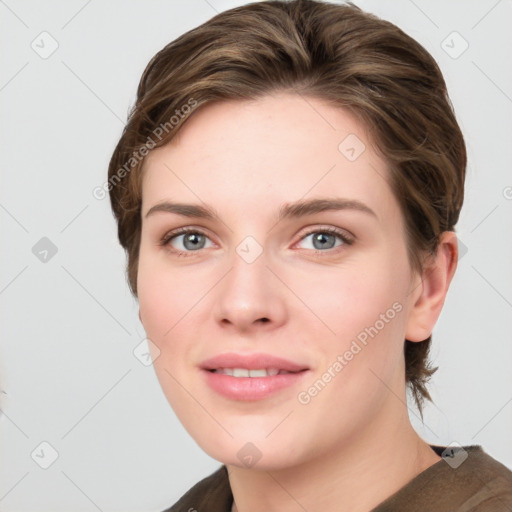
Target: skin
(352, 445)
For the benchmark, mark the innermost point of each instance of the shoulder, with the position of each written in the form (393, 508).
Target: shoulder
(488, 483)
(466, 479)
(213, 493)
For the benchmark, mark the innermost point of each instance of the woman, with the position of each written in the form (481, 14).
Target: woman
(287, 189)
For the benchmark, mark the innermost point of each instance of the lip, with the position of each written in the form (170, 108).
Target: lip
(251, 388)
(251, 362)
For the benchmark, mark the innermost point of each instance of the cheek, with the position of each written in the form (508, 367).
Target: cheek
(165, 294)
(343, 302)
(161, 298)
(164, 301)
(364, 359)
(155, 301)
(363, 306)
(172, 307)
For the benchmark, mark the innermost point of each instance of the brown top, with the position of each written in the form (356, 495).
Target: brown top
(464, 480)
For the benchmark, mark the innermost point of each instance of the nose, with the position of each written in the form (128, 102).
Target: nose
(250, 296)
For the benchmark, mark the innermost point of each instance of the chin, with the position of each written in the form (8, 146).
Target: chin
(249, 451)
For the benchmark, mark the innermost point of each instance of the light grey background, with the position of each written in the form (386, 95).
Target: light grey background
(69, 325)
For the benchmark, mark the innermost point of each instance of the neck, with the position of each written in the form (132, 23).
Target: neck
(355, 476)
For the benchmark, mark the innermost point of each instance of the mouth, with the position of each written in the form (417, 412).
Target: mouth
(251, 377)
(245, 372)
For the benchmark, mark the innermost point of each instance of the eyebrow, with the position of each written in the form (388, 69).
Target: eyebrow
(296, 209)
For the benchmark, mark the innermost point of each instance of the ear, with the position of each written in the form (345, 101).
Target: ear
(430, 290)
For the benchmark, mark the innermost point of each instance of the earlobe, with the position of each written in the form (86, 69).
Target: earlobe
(435, 281)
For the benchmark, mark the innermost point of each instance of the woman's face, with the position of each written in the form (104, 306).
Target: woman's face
(322, 295)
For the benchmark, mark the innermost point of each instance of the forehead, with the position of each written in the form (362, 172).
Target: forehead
(278, 148)
(283, 120)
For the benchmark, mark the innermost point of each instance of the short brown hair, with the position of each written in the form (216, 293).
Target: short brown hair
(337, 53)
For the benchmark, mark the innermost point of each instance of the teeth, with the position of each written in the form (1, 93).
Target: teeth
(244, 372)
(258, 373)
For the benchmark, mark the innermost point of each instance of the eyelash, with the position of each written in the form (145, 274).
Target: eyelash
(166, 239)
